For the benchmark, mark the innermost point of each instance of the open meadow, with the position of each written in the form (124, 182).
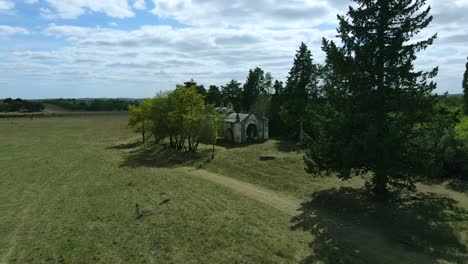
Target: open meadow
(70, 185)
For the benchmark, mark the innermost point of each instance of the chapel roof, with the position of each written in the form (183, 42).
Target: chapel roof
(231, 118)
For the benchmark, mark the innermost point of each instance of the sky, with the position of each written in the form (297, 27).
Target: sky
(135, 48)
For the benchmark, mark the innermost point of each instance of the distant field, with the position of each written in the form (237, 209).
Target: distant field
(70, 185)
(52, 110)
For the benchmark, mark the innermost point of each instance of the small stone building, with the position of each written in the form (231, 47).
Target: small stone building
(242, 128)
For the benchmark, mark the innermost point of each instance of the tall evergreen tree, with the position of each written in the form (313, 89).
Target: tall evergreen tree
(267, 83)
(252, 88)
(383, 119)
(214, 96)
(465, 89)
(276, 124)
(232, 93)
(301, 85)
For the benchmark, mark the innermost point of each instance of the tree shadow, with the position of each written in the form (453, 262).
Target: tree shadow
(458, 185)
(130, 145)
(454, 184)
(287, 146)
(230, 145)
(349, 228)
(162, 156)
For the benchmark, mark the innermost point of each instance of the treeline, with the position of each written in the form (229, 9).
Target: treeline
(180, 116)
(93, 104)
(20, 105)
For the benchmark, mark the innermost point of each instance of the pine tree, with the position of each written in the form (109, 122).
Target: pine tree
(300, 86)
(214, 96)
(276, 124)
(382, 118)
(232, 93)
(253, 86)
(465, 89)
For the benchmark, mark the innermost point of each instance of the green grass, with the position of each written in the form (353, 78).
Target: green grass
(70, 185)
(431, 222)
(285, 173)
(66, 194)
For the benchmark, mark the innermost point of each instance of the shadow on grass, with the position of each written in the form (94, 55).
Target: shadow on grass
(287, 146)
(230, 145)
(161, 156)
(458, 185)
(127, 145)
(424, 223)
(454, 184)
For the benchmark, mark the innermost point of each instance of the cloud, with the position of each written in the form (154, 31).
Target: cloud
(219, 40)
(31, 1)
(6, 5)
(71, 9)
(158, 57)
(249, 13)
(6, 31)
(139, 4)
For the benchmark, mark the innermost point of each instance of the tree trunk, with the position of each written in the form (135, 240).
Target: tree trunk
(381, 177)
(380, 187)
(143, 131)
(301, 132)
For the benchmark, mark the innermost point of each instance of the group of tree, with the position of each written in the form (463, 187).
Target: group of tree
(244, 98)
(20, 105)
(180, 116)
(365, 111)
(93, 104)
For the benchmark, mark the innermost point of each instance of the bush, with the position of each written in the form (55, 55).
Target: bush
(456, 152)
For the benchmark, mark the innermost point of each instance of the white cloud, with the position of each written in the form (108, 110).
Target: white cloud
(70, 9)
(31, 1)
(139, 4)
(6, 5)
(259, 13)
(162, 56)
(6, 31)
(223, 41)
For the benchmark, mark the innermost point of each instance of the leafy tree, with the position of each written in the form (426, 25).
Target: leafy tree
(300, 86)
(214, 96)
(465, 89)
(140, 118)
(160, 117)
(232, 93)
(252, 88)
(382, 117)
(192, 109)
(211, 128)
(199, 88)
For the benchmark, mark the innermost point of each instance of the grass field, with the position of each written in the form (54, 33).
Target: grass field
(65, 197)
(70, 185)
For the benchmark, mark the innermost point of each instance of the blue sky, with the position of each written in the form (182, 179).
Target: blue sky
(135, 48)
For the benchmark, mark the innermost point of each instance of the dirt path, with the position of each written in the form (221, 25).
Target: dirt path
(368, 242)
(284, 203)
